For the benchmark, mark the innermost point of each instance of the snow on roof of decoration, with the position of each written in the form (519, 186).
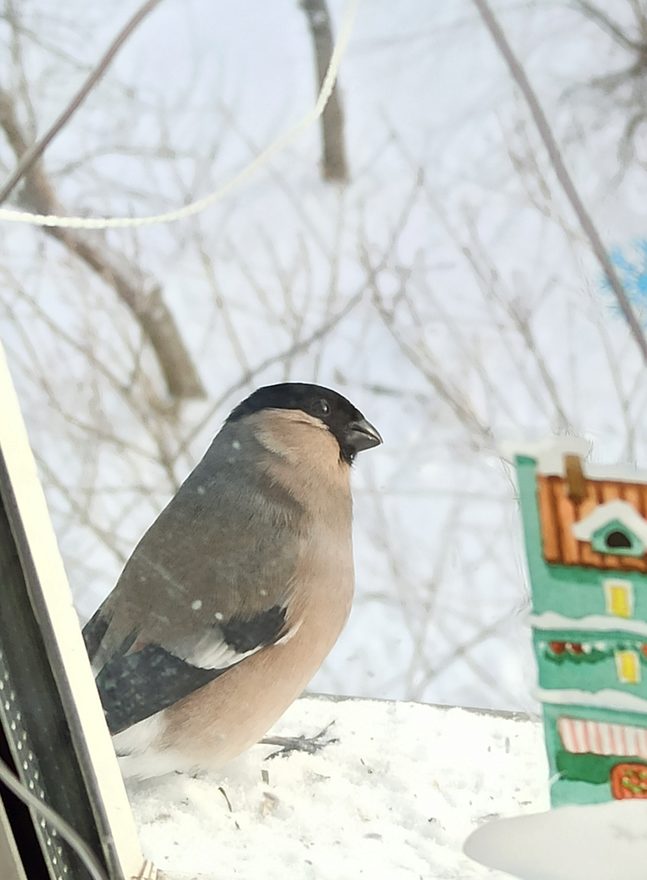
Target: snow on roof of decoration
(549, 454)
(602, 699)
(621, 473)
(618, 510)
(587, 842)
(592, 623)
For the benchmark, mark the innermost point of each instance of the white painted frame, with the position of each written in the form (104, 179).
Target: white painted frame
(99, 761)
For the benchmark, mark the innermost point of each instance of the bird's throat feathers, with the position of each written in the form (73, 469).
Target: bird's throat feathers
(300, 440)
(303, 457)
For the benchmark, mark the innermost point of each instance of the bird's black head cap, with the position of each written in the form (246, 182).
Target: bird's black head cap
(344, 421)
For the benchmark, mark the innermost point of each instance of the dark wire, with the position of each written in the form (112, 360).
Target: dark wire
(63, 828)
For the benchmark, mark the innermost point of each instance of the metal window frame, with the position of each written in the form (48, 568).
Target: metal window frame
(80, 777)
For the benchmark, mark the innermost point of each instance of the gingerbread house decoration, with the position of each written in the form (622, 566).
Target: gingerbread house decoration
(614, 527)
(585, 531)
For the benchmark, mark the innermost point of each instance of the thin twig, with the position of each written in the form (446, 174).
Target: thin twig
(608, 25)
(37, 149)
(319, 333)
(561, 172)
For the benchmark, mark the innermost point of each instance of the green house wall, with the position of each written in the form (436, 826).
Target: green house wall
(576, 592)
(581, 673)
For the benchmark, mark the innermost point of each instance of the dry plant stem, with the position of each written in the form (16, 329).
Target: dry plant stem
(33, 153)
(333, 277)
(462, 651)
(614, 30)
(561, 172)
(316, 335)
(489, 281)
(81, 513)
(249, 375)
(624, 398)
(295, 198)
(631, 37)
(429, 368)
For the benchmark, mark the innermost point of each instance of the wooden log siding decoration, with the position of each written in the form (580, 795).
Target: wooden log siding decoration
(558, 512)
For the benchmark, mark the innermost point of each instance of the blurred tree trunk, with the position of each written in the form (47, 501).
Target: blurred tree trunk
(334, 164)
(144, 300)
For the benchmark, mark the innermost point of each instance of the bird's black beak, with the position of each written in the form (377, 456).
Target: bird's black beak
(360, 435)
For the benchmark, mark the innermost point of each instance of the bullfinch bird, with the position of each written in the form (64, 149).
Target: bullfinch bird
(237, 592)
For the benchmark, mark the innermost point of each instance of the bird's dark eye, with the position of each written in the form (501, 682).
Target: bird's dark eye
(321, 407)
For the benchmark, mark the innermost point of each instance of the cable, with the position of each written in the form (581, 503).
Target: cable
(62, 827)
(200, 205)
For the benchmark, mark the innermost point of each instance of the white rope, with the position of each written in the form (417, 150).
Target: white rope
(196, 207)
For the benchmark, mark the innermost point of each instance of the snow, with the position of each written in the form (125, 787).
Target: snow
(550, 620)
(549, 452)
(603, 699)
(613, 510)
(593, 842)
(395, 797)
(622, 473)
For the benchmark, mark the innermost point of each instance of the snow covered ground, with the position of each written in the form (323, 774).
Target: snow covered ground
(395, 797)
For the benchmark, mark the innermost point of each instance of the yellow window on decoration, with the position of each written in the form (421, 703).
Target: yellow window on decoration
(628, 667)
(619, 596)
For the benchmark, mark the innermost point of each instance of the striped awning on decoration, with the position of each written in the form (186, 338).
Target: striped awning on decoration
(579, 736)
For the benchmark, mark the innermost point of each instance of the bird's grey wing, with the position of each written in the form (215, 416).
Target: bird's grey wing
(207, 586)
(94, 632)
(137, 683)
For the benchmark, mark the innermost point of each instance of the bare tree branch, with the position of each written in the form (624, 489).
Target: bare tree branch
(608, 25)
(147, 305)
(450, 395)
(626, 85)
(36, 150)
(319, 332)
(334, 164)
(543, 127)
